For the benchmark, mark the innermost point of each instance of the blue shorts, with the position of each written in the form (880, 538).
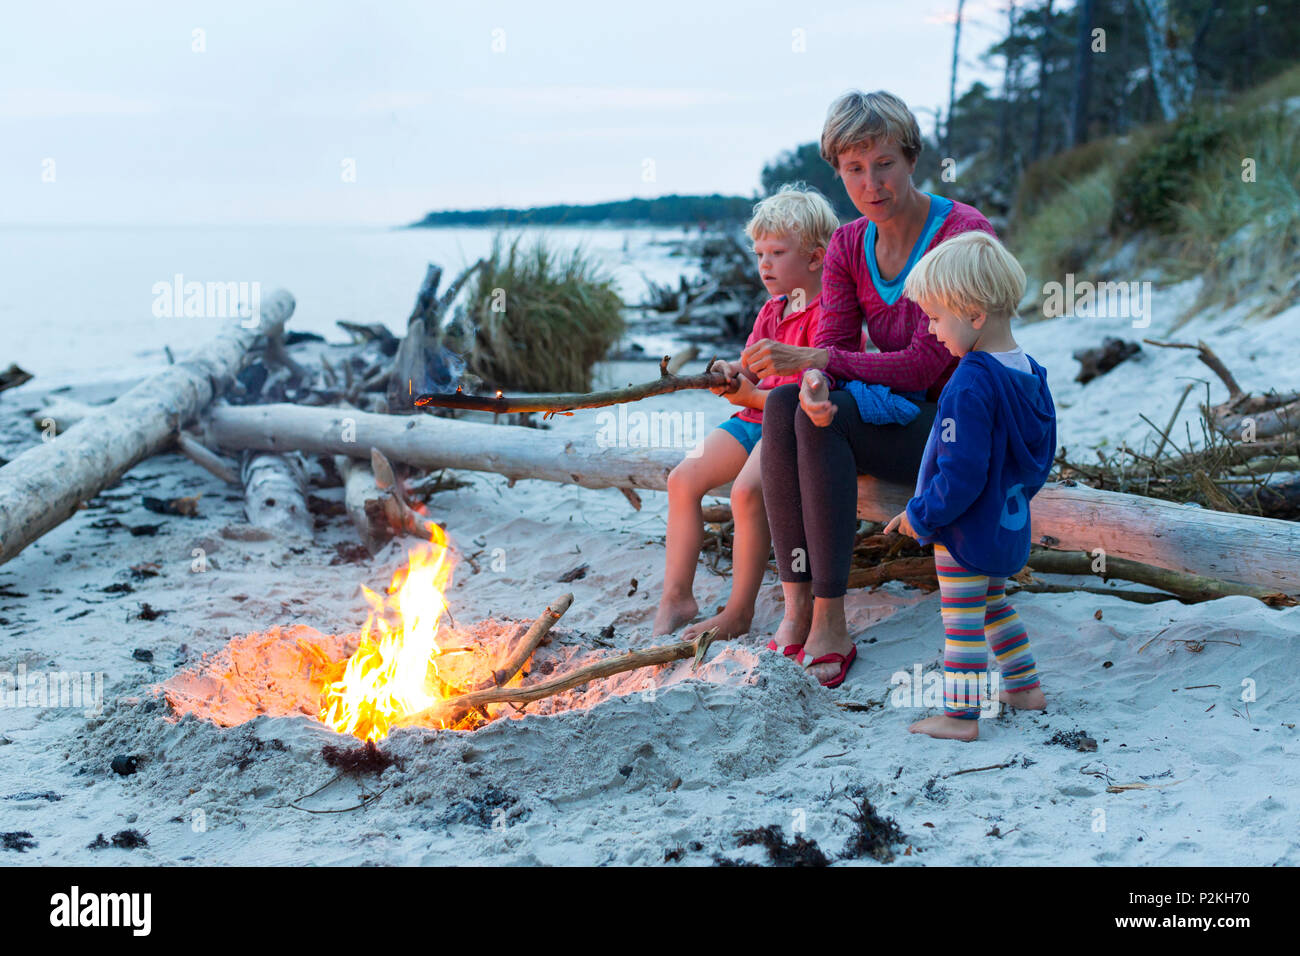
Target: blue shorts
(747, 433)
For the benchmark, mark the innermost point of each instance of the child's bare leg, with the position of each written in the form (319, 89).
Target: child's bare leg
(721, 459)
(749, 549)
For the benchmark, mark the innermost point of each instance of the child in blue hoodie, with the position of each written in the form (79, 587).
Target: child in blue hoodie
(989, 451)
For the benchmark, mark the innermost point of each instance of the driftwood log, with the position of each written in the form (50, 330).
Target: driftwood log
(42, 487)
(275, 493)
(1066, 516)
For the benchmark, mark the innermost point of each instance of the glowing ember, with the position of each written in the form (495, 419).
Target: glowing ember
(389, 675)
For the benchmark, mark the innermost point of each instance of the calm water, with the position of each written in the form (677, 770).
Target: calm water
(77, 302)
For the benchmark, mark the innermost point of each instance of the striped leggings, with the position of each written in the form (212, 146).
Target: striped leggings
(976, 616)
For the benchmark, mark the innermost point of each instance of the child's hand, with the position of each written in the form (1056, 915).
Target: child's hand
(814, 398)
(900, 524)
(732, 372)
(744, 393)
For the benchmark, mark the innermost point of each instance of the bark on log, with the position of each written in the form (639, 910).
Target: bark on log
(1066, 516)
(1192, 588)
(275, 494)
(359, 490)
(44, 485)
(1072, 517)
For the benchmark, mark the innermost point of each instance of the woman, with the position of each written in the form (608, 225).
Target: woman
(813, 450)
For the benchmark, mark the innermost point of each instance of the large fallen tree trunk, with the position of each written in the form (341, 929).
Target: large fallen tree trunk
(1066, 516)
(44, 485)
(1071, 517)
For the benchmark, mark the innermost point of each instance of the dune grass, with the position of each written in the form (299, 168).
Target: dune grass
(1241, 236)
(1178, 189)
(1069, 229)
(537, 319)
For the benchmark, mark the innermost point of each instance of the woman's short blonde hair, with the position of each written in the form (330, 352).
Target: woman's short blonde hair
(862, 119)
(970, 273)
(795, 210)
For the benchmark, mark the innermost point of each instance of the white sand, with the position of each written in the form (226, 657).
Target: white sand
(634, 767)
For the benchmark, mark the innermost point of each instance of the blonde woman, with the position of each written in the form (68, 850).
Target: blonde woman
(815, 442)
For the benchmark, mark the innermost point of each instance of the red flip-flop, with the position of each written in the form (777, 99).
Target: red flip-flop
(844, 660)
(789, 650)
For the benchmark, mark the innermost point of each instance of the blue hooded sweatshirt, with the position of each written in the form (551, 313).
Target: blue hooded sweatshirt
(990, 450)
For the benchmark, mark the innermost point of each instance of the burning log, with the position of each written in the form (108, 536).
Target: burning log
(275, 493)
(445, 710)
(553, 404)
(44, 485)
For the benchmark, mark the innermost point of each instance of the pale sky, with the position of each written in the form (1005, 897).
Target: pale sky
(123, 113)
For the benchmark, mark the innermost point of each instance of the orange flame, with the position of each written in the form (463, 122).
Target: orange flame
(388, 676)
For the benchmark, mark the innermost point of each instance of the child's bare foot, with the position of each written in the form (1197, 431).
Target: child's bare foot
(1031, 699)
(673, 613)
(947, 728)
(730, 624)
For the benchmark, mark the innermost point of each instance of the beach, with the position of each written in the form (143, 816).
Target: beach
(1169, 738)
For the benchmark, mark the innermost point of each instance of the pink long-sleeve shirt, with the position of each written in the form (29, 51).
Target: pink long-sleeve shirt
(910, 358)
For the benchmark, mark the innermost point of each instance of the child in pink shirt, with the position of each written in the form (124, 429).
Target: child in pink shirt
(790, 231)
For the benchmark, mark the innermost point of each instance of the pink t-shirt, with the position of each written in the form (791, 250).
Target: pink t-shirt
(797, 328)
(910, 358)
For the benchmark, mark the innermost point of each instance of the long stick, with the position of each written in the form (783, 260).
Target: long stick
(540, 628)
(667, 382)
(632, 660)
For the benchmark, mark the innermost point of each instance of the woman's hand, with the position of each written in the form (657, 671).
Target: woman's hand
(900, 524)
(770, 357)
(814, 398)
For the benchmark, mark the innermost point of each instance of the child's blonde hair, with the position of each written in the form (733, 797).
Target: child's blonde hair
(862, 119)
(970, 273)
(795, 210)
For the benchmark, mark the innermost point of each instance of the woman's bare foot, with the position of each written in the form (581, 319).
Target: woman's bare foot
(947, 728)
(730, 624)
(673, 613)
(1031, 699)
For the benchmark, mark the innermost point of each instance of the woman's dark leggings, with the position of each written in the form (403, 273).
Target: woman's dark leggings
(810, 481)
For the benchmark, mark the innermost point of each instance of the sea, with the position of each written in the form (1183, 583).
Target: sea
(81, 303)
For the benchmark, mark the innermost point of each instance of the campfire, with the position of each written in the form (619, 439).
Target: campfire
(411, 664)
(394, 672)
